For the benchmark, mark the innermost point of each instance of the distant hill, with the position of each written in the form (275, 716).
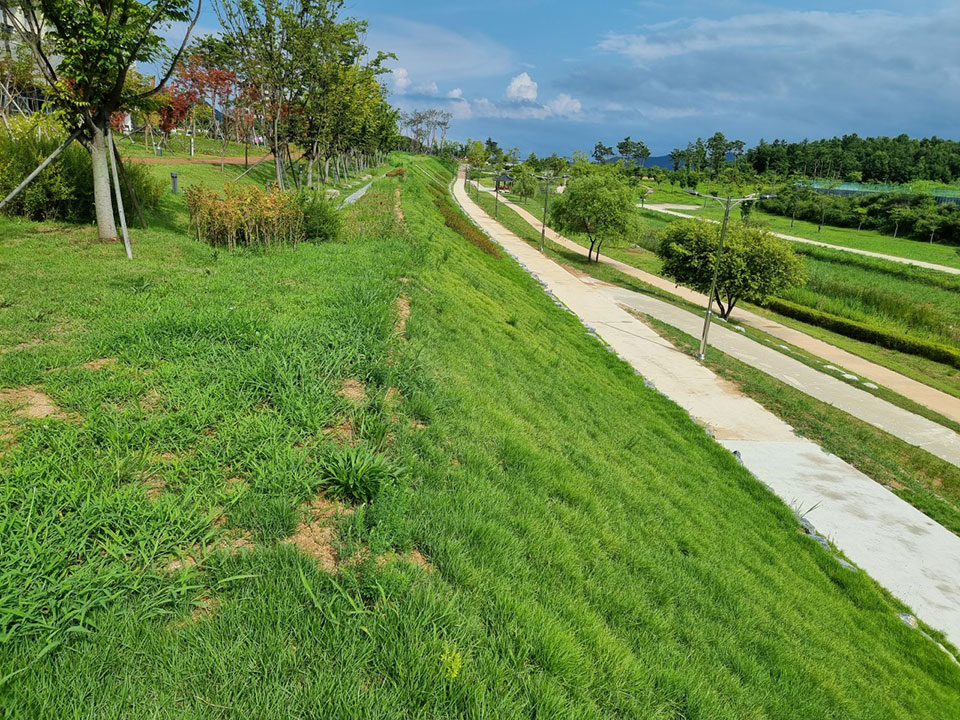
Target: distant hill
(663, 161)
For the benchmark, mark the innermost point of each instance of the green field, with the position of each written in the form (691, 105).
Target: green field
(590, 552)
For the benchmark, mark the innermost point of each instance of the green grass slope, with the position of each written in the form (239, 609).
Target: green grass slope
(593, 553)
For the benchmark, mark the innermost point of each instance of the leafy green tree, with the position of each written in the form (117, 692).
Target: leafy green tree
(635, 152)
(717, 146)
(601, 152)
(524, 184)
(598, 205)
(755, 264)
(92, 48)
(676, 157)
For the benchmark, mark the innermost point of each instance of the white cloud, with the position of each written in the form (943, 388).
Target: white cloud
(427, 50)
(522, 88)
(401, 80)
(455, 94)
(564, 106)
(427, 88)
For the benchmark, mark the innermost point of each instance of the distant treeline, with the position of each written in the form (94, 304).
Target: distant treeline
(900, 159)
(910, 215)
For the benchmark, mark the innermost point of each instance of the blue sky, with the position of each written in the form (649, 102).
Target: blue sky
(553, 75)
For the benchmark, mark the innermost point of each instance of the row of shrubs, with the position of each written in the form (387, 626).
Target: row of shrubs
(64, 190)
(246, 216)
(457, 221)
(867, 333)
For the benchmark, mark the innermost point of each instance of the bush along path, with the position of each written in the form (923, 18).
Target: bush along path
(915, 558)
(936, 400)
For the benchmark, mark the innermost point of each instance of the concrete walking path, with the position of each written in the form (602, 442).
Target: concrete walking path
(936, 400)
(915, 558)
(909, 427)
(672, 209)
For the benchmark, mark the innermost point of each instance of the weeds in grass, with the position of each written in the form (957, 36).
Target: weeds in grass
(357, 474)
(245, 216)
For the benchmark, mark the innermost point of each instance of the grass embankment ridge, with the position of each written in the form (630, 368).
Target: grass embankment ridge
(592, 553)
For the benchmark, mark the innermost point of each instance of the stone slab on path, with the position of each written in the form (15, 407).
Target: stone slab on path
(916, 559)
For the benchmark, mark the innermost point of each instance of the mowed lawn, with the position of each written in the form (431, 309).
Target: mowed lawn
(582, 549)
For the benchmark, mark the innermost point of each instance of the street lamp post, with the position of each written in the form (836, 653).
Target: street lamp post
(546, 202)
(727, 203)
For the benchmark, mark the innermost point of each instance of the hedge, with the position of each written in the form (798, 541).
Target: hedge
(867, 333)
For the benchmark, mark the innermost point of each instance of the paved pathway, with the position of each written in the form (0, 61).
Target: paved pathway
(916, 559)
(912, 428)
(672, 209)
(941, 402)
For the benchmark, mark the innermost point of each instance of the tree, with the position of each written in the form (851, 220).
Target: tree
(477, 154)
(634, 151)
(676, 157)
(717, 147)
(601, 152)
(754, 266)
(524, 184)
(97, 43)
(599, 205)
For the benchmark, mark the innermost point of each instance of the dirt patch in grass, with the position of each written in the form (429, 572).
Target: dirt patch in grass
(315, 534)
(99, 363)
(343, 433)
(154, 486)
(417, 558)
(31, 404)
(237, 484)
(25, 345)
(168, 457)
(353, 390)
(403, 314)
(414, 557)
(233, 542)
(397, 210)
(417, 424)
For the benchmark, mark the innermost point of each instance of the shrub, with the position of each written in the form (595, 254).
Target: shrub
(245, 216)
(321, 219)
(357, 474)
(867, 333)
(64, 190)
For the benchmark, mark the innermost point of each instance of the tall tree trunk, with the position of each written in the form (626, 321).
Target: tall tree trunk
(102, 199)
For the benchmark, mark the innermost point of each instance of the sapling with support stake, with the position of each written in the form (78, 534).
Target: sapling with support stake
(86, 94)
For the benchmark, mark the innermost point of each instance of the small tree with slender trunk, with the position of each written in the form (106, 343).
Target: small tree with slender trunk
(97, 42)
(755, 264)
(598, 205)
